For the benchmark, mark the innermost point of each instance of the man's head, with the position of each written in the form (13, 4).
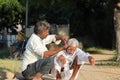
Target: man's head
(42, 29)
(72, 45)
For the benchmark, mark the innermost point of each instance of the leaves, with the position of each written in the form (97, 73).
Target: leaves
(9, 9)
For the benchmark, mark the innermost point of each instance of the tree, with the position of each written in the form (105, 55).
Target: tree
(87, 18)
(93, 20)
(49, 10)
(10, 14)
(10, 11)
(117, 29)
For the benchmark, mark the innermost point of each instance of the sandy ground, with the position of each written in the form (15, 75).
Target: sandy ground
(101, 71)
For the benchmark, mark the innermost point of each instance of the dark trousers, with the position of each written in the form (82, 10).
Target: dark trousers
(42, 65)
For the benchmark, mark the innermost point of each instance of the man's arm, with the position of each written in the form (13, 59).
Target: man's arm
(53, 38)
(58, 75)
(75, 68)
(52, 52)
(91, 60)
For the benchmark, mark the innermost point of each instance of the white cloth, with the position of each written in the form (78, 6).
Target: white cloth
(19, 28)
(82, 56)
(67, 73)
(35, 49)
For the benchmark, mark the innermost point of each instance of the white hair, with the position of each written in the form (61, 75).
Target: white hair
(73, 42)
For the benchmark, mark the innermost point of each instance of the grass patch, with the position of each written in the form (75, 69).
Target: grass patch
(9, 65)
(94, 50)
(4, 53)
(110, 64)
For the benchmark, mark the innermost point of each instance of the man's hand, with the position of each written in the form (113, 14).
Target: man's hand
(65, 46)
(64, 38)
(91, 60)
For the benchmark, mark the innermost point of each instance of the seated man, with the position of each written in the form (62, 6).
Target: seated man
(37, 59)
(69, 61)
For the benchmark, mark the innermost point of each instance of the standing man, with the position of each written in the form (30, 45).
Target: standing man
(37, 60)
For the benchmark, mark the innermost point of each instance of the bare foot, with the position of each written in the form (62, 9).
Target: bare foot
(38, 76)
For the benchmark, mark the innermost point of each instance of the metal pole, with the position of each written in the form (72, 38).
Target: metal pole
(26, 19)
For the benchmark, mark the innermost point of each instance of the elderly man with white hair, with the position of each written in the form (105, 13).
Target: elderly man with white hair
(69, 61)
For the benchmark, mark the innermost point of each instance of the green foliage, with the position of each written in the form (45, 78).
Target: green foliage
(10, 11)
(87, 18)
(4, 53)
(94, 21)
(96, 50)
(50, 10)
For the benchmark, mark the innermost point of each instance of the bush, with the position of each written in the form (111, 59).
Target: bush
(4, 53)
(85, 42)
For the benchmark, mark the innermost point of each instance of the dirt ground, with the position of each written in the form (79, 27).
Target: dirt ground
(102, 71)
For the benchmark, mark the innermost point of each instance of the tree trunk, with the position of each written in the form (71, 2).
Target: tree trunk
(117, 30)
(5, 37)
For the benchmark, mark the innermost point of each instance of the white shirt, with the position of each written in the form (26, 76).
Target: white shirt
(82, 56)
(35, 49)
